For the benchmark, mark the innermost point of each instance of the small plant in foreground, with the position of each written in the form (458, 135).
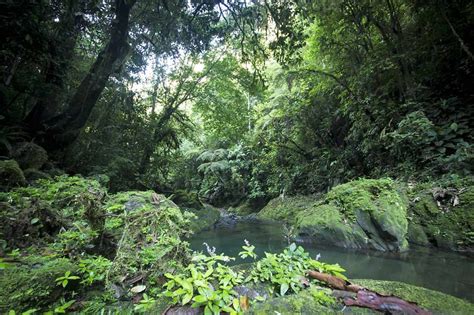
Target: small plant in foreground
(145, 304)
(207, 282)
(248, 251)
(64, 280)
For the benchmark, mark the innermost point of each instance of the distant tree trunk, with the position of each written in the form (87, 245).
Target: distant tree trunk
(159, 133)
(63, 129)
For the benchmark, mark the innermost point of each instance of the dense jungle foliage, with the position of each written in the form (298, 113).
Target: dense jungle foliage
(124, 123)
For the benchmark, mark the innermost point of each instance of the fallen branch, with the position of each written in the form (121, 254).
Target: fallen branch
(386, 304)
(366, 298)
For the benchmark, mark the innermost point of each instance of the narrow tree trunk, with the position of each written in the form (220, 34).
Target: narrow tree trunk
(63, 129)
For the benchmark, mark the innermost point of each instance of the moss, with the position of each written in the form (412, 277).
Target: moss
(205, 218)
(445, 225)
(32, 174)
(286, 209)
(365, 213)
(242, 209)
(302, 303)
(149, 230)
(417, 235)
(186, 199)
(306, 302)
(29, 155)
(36, 213)
(437, 302)
(325, 224)
(32, 285)
(11, 174)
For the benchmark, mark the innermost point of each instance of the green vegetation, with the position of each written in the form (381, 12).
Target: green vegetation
(126, 125)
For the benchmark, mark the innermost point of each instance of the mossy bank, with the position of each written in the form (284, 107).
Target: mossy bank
(382, 214)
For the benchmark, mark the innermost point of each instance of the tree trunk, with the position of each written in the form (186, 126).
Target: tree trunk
(63, 129)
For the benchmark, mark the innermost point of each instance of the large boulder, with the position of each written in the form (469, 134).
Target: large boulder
(365, 213)
(32, 284)
(149, 232)
(29, 155)
(205, 218)
(35, 214)
(285, 209)
(11, 174)
(442, 215)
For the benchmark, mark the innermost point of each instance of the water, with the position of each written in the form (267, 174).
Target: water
(437, 270)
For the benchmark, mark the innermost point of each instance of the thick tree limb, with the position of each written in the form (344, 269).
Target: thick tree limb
(64, 128)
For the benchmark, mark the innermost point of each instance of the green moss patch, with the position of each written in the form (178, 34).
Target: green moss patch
(437, 302)
(11, 174)
(365, 213)
(285, 209)
(443, 212)
(32, 285)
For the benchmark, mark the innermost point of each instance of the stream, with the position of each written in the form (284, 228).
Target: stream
(447, 272)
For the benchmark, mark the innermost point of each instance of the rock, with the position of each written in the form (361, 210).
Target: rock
(365, 213)
(186, 199)
(434, 301)
(149, 231)
(284, 209)
(10, 174)
(226, 221)
(206, 217)
(252, 292)
(443, 217)
(416, 235)
(32, 174)
(183, 310)
(29, 155)
(25, 286)
(309, 302)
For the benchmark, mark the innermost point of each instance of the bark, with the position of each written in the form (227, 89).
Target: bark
(63, 129)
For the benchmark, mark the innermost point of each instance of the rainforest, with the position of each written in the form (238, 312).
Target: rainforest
(236, 157)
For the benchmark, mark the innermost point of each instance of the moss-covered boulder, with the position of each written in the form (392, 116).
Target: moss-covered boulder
(305, 302)
(205, 218)
(365, 213)
(186, 199)
(442, 215)
(36, 213)
(434, 301)
(312, 301)
(29, 155)
(285, 209)
(32, 174)
(243, 209)
(149, 232)
(11, 174)
(32, 285)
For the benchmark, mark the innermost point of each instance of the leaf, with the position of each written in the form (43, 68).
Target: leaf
(284, 288)
(138, 289)
(292, 247)
(34, 220)
(187, 298)
(200, 299)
